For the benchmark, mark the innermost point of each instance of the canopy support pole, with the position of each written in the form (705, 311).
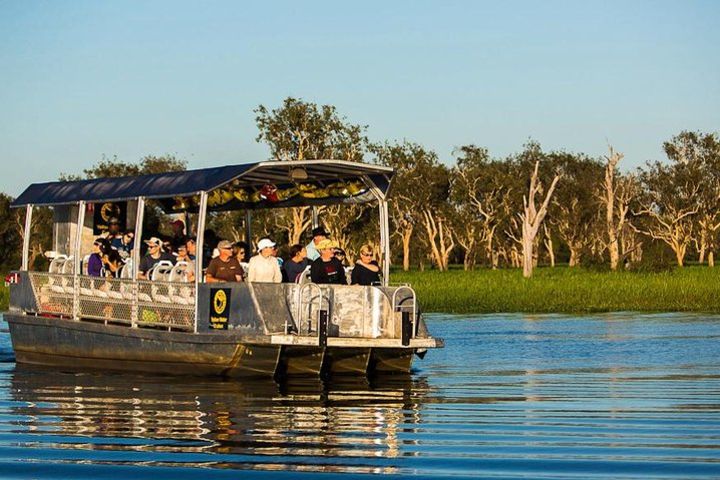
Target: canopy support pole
(315, 217)
(26, 237)
(248, 231)
(199, 247)
(384, 229)
(385, 240)
(78, 259)
(137, 244)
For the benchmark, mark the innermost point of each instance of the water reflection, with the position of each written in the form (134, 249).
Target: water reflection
(345, 418)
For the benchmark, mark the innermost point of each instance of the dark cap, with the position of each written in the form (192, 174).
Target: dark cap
(113, 221)
(319, 231)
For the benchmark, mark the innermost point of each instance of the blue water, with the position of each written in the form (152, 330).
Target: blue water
(511, 396)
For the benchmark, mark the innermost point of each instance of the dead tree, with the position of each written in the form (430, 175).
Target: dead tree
(532, 218)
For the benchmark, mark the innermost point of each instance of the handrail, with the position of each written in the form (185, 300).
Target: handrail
(398, 307)
(300, 304)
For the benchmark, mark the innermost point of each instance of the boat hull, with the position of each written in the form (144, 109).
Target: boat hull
(74, 345)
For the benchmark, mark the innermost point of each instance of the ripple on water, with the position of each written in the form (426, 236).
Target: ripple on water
(615, 396)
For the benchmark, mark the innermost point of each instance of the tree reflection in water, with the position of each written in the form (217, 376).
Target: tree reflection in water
(342, 425)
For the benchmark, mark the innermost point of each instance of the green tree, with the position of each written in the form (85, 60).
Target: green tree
(700, 152)
(300, 130)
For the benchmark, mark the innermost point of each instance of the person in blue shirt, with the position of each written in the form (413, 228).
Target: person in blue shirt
(318, 235)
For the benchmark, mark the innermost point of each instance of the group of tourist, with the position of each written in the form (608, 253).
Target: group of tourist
(227, 262)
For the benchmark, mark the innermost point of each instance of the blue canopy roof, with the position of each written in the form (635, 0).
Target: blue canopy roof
(190, 182)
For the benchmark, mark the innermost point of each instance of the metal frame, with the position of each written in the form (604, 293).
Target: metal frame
(78, 259)
(26, 238)
(139, 217)
(199, 244)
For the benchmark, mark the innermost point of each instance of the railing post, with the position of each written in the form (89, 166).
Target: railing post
(323, 328)
(26, 239)
(77, 270)
(139, 216)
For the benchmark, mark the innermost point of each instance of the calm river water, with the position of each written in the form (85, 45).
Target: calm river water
(511, 396)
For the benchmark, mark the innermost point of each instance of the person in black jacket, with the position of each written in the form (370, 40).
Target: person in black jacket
(366, 270)
(327, 268)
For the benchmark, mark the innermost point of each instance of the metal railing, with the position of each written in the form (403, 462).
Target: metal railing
(117, 300)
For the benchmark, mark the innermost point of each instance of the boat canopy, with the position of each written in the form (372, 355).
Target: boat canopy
(260, 185)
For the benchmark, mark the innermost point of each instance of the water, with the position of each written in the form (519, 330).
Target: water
(613, 396)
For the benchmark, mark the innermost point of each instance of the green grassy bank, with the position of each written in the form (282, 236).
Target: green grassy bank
(566, 290)
(557, 290)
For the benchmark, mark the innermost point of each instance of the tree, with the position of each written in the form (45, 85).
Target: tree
(479, 187)
(701, 151)
(300, 130)
(420, 188)
(10, 238)
(303, 131)
(669, 202)
(532, 217)
(573, 210)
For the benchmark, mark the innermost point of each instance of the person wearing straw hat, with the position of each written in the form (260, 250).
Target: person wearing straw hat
(264, 267)
(327, 268)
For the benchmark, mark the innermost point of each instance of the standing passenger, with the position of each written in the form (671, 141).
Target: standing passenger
(318, 235)
(264, 267)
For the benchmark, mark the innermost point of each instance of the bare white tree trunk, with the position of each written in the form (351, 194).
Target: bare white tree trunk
(532, 218)
(613, 226)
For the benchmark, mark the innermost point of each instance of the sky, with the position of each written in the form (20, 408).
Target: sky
(80, 80)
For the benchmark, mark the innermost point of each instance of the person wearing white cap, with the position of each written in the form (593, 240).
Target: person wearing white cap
(264, 267)
(155, 253)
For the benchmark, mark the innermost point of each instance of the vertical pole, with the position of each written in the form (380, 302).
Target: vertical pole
(385, 240)
(78, 259)
(26, 239)
(315, 218)
(139, 216)
(248, 230)
(199, 244)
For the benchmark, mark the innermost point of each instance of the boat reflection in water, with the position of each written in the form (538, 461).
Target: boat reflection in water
(352, 426)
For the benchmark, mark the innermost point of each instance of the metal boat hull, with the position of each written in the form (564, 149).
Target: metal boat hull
(73, 344)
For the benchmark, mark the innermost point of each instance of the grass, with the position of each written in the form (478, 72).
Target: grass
(557, 290)
(565, 290)
(4, 297)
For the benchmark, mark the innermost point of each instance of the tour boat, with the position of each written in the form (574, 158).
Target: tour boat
(62, 317)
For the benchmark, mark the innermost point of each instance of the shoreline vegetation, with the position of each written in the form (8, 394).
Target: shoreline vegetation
(556, 290)
(565, 290)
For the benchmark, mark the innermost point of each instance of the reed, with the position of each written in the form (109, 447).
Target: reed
(566, 290)
(556, 290)
(4, 297)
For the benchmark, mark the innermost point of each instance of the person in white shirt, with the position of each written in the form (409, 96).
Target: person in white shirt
(264, 267)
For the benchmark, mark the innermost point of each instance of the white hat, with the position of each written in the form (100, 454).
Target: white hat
(265, 243)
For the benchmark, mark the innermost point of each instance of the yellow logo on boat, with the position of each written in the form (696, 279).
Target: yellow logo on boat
(219, 301)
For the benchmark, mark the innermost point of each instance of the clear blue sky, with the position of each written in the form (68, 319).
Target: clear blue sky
(79, 79)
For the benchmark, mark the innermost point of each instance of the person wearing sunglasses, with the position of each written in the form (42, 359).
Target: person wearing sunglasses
(367, 270)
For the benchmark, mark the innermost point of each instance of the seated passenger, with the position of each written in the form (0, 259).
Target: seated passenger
(240, 250)
(296, 264)
(367, 270)
(95, 263)
(154, 255)
(184, 256)
(327, 268)
(124, 244)
(264, 267)
(224, 267)
(340, 255)
(112, 263)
